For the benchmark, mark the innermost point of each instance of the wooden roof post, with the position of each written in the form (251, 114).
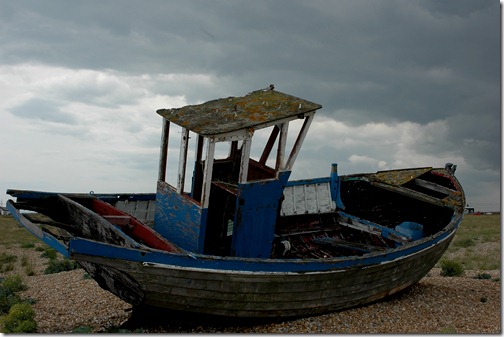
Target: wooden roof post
(207, 174)
(182, 160)
(269, 145)
(299, 141)
(244, 163)
(284, 128)
(163, 152)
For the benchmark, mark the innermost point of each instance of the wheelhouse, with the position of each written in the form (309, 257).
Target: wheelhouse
(233, 202)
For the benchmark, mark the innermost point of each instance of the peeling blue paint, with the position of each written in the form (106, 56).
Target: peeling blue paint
(180, 219)
(256, 215)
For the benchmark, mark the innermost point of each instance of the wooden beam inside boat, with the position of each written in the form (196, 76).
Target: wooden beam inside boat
(119, 220)
(335, 242)
(432, 186)
(371, 227)
(410, 193)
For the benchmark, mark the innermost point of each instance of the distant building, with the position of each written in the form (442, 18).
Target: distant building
(4, 211)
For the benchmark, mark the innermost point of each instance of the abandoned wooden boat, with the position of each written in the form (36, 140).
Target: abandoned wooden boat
(244, 240)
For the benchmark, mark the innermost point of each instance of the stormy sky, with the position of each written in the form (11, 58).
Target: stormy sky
(403, 83)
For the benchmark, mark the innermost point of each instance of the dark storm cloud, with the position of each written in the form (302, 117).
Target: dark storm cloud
(389, 61)
(310, 46)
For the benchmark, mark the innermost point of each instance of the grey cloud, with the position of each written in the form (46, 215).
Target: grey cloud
(42, 110)
(95, 89)
(463, 8)
(364, 61)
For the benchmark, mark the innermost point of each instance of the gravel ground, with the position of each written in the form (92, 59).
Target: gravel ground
(437, 304)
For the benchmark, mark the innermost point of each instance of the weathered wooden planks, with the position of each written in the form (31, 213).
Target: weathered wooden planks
(273, 294)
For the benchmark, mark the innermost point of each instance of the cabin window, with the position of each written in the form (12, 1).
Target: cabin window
(222, 150)
(172, 165)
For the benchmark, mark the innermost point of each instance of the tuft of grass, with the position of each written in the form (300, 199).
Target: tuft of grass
(464, 243)
(56, 266)
(7, 299)
(30, 270)
(24, 260)
(14, 283)
(451, 268)
(9, 286)
(448, 330)
(115, 329)
(20, 319)
(50, 253)
(28, 266)
(83, 330)
(7, 267)
(7, 258)
(483, 276)
(28, 245)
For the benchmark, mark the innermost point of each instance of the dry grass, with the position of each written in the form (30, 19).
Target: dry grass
(477, 243)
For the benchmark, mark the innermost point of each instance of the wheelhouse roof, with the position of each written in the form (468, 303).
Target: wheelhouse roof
(237, 113)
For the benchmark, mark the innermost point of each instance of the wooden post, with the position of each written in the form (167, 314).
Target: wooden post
(284, 128)
(182, 160)
(244, 163)
(207, 174)
(163, 152)
(299, 142)
(269, 145)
